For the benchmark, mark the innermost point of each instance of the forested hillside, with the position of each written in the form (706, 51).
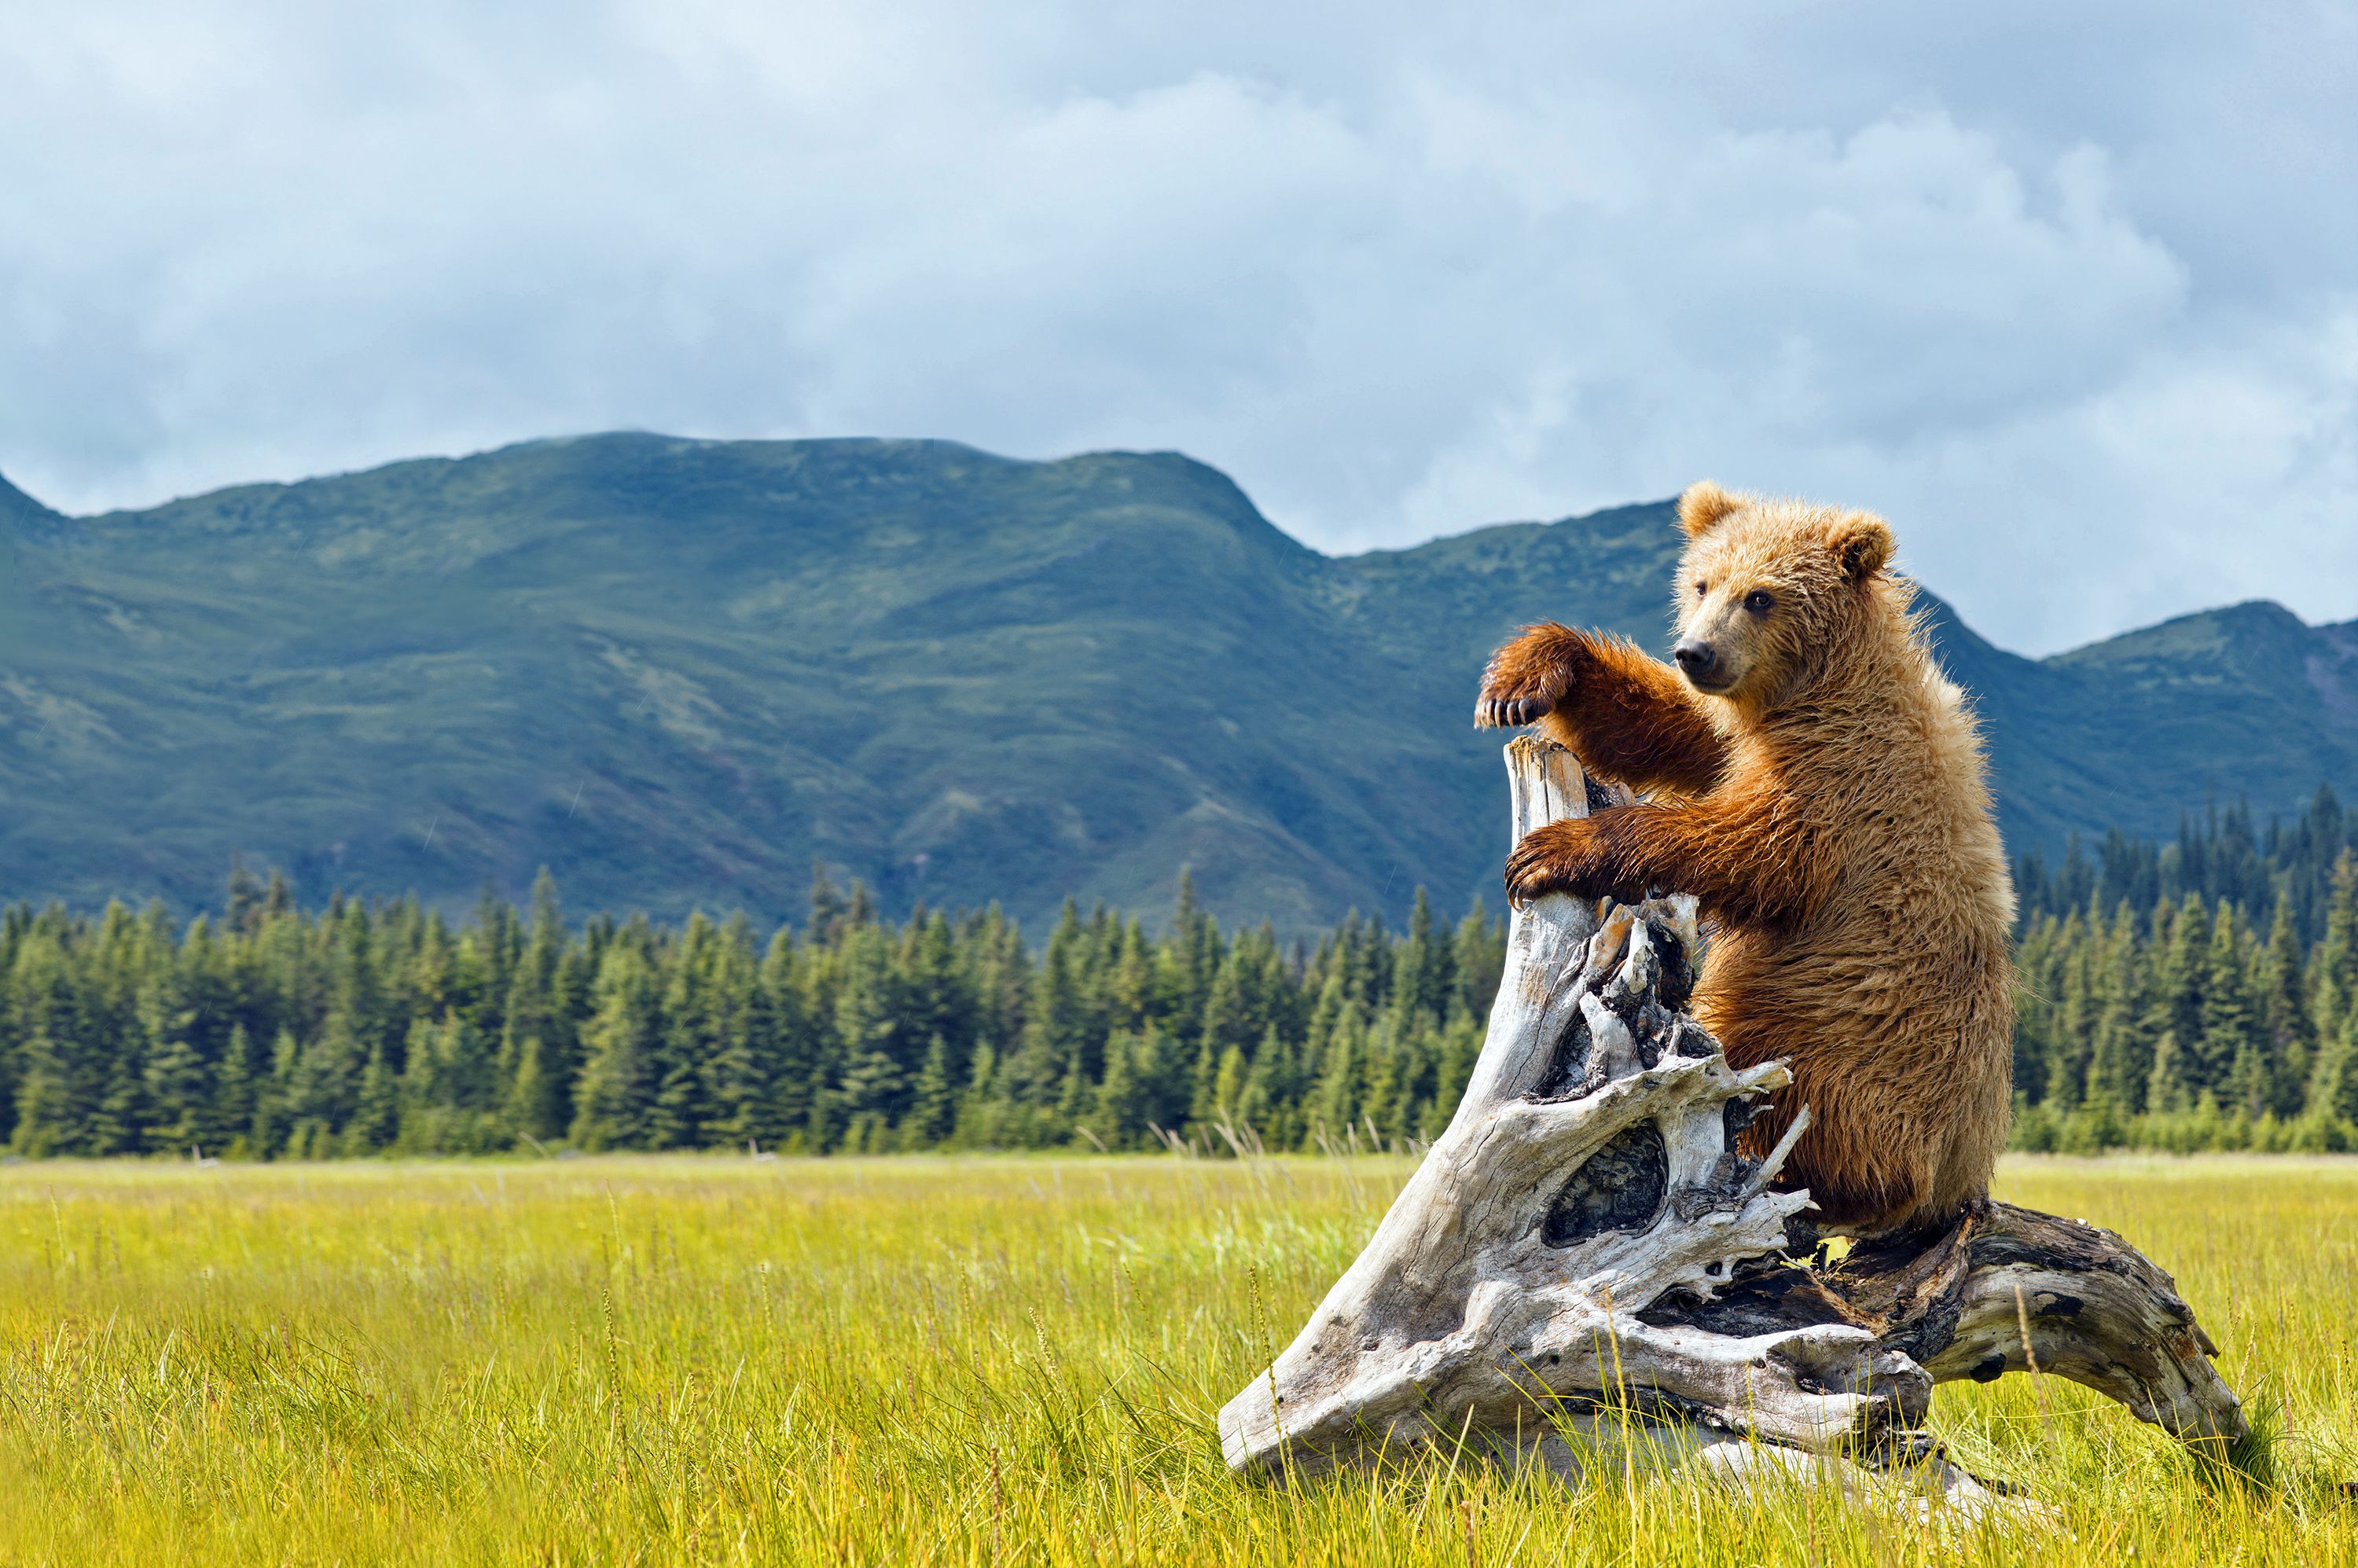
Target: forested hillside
(679, 672)
(2203, 993)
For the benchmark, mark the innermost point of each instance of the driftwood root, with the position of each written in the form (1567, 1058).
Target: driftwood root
(1584, 1254)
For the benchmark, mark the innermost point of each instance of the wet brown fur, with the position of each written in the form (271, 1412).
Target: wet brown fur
(1828, 808)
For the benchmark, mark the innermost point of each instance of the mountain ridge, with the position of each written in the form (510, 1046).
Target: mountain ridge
(679, 671)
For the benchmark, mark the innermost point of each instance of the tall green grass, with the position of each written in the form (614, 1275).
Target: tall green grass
(959, 1361)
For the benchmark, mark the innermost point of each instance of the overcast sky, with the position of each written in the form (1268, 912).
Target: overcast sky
(2069, 292)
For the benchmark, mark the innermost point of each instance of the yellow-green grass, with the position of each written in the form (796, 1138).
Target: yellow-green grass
(933, 1360)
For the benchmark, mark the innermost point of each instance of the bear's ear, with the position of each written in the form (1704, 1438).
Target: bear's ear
(1702, 505)
(1862, 542)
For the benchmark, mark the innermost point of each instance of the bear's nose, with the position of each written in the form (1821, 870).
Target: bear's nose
(1695, 658)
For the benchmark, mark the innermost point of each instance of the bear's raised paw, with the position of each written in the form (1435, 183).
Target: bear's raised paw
(1510, 712)
(1526, 678)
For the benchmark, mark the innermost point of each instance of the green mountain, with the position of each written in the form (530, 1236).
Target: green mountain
(679, 672)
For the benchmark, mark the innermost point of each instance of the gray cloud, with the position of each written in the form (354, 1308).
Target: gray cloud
(2068, 292)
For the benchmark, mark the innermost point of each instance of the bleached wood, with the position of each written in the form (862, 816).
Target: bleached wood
(1530, 1288)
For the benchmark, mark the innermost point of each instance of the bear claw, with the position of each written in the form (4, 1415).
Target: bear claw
(1508, 712)
(1535, 869)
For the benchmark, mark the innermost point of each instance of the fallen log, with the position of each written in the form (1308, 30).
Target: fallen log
(1583, 1257)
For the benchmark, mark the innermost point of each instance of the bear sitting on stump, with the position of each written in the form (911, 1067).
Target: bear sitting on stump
(1819, 787)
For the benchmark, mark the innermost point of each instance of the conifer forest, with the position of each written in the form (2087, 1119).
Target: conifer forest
(2197, 994)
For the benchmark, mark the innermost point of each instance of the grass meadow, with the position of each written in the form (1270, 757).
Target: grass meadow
(960, 1361)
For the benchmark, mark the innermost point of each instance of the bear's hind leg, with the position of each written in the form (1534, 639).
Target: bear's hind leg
(1857, 1190)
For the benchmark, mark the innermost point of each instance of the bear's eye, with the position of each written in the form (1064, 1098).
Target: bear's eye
(1702, 588)
(1758, 600)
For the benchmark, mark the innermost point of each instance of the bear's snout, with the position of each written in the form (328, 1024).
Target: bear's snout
(1698, 660)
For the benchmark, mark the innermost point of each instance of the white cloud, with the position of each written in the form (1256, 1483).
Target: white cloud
(2073, 304)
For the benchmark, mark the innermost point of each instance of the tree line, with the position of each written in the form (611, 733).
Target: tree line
(2197, 994)
(271, 1032)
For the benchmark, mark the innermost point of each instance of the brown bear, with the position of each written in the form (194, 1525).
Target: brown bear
(1818, 784)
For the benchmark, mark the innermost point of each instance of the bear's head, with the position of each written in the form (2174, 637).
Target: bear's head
(1770, 593)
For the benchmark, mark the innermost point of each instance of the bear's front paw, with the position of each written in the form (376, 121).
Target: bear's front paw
(1510, 712)
(1525, 679)
(1553, 859)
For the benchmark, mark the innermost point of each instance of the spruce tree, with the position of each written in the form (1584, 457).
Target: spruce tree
(1459, 1046)
(54, 1098)
(780, 1033)
(1273, 1091)
(1337, 1098)
(933, 1101)
(876, 1059)
(321, 1089)
(376, 1121)
(2334, 1094)
(2170, 1090)
(273, 1123)
(179, 1097)
(2121, 1055)
(1421, 975)
(536, 1057)
(244, 1071)
(1203, 1087)
(615, 1091)
(742, 1078)
(51, 1113)
(2070, 1057)
(2229, 1060)
(2284, 1020)
(2333, 967)
(119, 1123)
(2181, 960)
(686, 1043)
(1229, 1087)
(1061, 1031)
(983, 1113)
(532, 1105)
(1119, 1118)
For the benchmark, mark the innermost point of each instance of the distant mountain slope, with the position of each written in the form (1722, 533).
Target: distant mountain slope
(677, 671)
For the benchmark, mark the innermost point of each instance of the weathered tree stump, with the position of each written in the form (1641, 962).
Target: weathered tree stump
(1583, 1257)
